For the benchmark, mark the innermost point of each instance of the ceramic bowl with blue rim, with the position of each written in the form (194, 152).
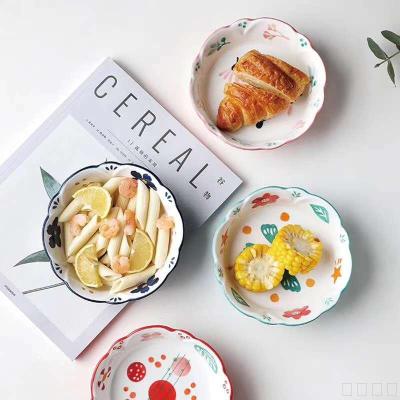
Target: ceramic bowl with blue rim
(256, 219)
(213, 68)
(53, 240)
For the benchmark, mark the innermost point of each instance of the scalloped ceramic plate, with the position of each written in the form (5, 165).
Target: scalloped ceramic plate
(256, 219)
(160, 363)
(65, 271)
(213, 68)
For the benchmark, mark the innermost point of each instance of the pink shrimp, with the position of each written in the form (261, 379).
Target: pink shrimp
(165, 222)
(120, 264)
(130, 221)
(109, 228)
(77, 222)
(128, 187)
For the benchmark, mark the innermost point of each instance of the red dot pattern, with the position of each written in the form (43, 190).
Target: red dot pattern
(136, 371)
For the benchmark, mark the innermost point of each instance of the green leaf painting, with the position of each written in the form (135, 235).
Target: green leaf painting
(239, 298)
(207, 356)
(39, 256)
(392, 37)
(50, 184)
(321, 212)
(374, 47)
(269, 231)
(290, 282)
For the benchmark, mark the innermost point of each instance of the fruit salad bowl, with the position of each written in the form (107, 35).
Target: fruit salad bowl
(300, 298)
(53, 235)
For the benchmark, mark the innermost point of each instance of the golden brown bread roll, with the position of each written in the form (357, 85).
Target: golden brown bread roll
(271, 73)
(246, 105)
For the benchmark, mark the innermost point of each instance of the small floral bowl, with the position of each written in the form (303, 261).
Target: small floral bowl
(213, 66)
(160, 363)
(53, 240)
(256, 220)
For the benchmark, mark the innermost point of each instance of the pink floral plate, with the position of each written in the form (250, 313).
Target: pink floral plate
(256, 220)
(213, 66)
(160, 363)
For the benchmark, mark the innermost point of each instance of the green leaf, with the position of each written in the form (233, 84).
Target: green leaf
(50, 184)
(392, 37)
(391, 73)
(207, 356)
(290, 282)
(239, 298)
(269, 231)
(376, 49)
(39, 256)
(321, 212)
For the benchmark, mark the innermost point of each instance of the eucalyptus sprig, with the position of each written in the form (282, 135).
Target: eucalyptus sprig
(395, 39)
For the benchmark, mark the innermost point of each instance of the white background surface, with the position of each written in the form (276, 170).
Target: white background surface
(349, 156)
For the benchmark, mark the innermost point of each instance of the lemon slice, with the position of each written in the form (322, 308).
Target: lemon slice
(142, 252)
(86, 266)
(94, 198)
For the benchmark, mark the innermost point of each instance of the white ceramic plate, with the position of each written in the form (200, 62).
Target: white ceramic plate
(160, 363)
(55, 248)
(213, 68)
(256, 219)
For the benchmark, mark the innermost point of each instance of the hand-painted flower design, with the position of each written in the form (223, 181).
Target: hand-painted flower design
(336, 274)
(297, 313)
(271, 33)
(54, 232)
(299, 124)
(150, 336)
(104, 375)
(224, 240)
(145, 287)
(266, 198)
(145, 178)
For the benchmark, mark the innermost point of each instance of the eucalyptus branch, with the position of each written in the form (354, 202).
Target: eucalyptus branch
(387, 59)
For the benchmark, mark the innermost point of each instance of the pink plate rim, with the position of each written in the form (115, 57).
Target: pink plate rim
(217, 132)
(169, 329)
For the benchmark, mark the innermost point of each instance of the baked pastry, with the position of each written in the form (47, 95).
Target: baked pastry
(271, 73)
(244, 104)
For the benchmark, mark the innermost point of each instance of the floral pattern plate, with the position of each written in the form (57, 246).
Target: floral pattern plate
(160, 363)
(256, 219)
(212, 69)
(54, 244)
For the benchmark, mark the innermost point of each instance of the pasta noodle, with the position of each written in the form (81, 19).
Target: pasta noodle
(112, 184)
(132, 280)
(153, 214)
(115, 242)
(125, 248)
(122, 202)
(87, 232)
(107, 275)
(106, 259)
(161, 247)
(67, 235)
(72, 208)
(132, 204)
(142, 204)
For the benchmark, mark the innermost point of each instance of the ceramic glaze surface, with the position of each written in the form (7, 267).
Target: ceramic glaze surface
(160, 363)
(213, 68)
(54, 244)
(256, 219)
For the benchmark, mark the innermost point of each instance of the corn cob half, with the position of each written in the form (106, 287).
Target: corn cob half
(296, 249)
(256, 270)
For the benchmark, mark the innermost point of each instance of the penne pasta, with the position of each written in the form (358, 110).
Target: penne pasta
(72, 208)
(67, 235)
(115, 242)
(87, 232)
(152, 216)
(71, 259)
(132, 280)
(122, 202)
(105, 259)
(94, 238)
(132, 204)
(125, 248)
(112, 184)
(161, 247)
(107, 275)
(142, 204)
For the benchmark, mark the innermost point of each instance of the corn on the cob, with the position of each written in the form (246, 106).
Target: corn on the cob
(297, 249)
(255, 270)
